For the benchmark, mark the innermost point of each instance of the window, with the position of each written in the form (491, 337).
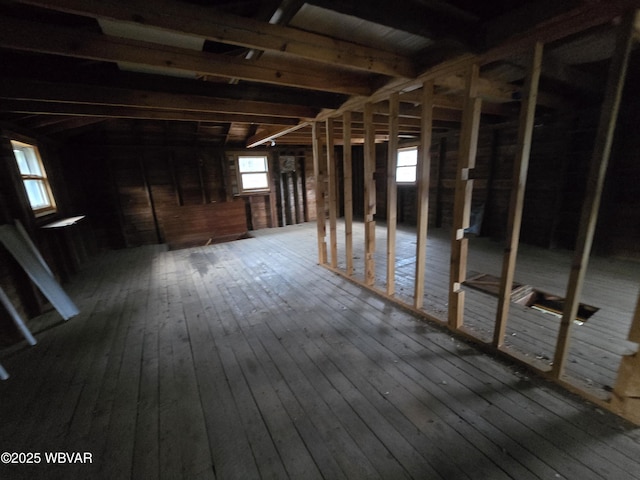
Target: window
(253, 174)
(407, 163)
(34, 178)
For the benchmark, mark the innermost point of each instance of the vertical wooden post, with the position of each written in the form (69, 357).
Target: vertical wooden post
(348, 191)
(595, 182)
(519, 181)
(320, 214)
(626, 393)
(462, 202)
(369, 195)
(423, 176)
(392, 191)
(333, 206)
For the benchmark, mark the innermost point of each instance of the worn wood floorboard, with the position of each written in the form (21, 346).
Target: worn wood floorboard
(597, 457)
(246, 360)
(597, 346)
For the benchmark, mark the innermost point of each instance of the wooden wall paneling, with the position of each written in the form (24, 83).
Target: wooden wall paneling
(301, 201)
(462, 202)
(297, 194)
(423, 179)
(136, 213)
(442, 158)
(521, 167)
(190, 177)
(273, 193)
(347, 161)
(595, 182)
(176, 181)
(192, 225)
(202, 175)
(149, 193)
(309, 186)
(626, 393)
(117, 200)
(319, 193)
(392, 191)
(369, 195)
(291, 197)
(285, 183)
(282, 196)
(333, 199)
(491, 175)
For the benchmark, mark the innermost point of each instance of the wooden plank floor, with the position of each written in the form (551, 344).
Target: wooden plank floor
(246, 360)
(611, 285)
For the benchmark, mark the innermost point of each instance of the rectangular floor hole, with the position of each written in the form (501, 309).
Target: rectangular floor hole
(529, 296)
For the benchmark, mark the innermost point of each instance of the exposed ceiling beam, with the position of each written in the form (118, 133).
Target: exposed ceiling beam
(112, 111)
(18, 89)
(272, 134)
(71, 123)
(220, 27)
(42, 38)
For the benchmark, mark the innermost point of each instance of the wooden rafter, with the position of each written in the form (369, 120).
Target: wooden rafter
(43, 38)
(221, 27)
(116, 111)
(93, 95)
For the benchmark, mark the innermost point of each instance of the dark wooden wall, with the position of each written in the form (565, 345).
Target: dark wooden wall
(135, 184)
(561, 150)
(619, 220)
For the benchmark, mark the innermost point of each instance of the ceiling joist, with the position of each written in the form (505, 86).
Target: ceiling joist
(42, 38)
(94, 95)
(119, 111)
(221, 27)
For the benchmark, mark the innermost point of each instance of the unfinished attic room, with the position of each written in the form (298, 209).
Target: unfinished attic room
(320, 239)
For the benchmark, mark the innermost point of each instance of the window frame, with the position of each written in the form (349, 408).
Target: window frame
(253, 191)
(415, 165)
(41, 178)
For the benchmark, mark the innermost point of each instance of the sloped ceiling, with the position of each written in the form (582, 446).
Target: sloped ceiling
(243, 72)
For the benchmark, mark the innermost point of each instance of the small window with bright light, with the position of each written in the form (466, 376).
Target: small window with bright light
(34, 178)
(407, 164)
(253, 174)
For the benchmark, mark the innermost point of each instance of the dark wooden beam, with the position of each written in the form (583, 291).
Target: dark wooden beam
(16, 89)
(117, 111)
(235, 30)
(44, 38)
